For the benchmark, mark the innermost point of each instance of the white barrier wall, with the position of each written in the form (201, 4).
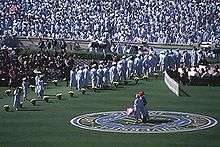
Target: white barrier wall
(172, 84)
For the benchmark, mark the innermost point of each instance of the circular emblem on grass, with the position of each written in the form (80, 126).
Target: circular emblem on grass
(159, 122)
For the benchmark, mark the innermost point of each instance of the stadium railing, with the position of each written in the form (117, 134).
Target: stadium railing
(85, 43)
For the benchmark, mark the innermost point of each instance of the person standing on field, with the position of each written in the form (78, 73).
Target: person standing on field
(93, 75)
(25, 85)
(72, 78)
(140, 111)
(17, 98)
(40, 88)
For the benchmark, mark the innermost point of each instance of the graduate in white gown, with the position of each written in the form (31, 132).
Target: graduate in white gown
(113, 73)
(25, 85)
(37, 78)
(86, 75)
(106, 75)
(93, 75)
(137, 65)
(100, 75)
(79, 78)
(130, 64)
(72, 78)
(40, 88)
(17, 98)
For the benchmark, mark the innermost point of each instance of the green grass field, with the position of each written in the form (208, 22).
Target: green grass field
(48, 124)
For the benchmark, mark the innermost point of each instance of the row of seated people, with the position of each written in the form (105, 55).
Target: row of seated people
(197, 76)
(14, 65)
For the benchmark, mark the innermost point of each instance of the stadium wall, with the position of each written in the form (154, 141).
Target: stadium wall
(84, 44)
(172, 84)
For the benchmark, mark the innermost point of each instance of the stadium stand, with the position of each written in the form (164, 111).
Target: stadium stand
(104, 22)
(169, 21)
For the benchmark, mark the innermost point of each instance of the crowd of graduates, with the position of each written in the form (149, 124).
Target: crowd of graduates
(38, 68)
(164, 21)
(15, 66)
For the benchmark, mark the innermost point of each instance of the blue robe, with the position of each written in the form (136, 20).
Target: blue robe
(106, 75)
(113, 74)
(140, 109)
(100, 75)
(40, 89)
(137, 66)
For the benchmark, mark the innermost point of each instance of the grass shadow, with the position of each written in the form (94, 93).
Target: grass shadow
(118, 88)
(158, 121)
(31, 110)
(183, 93)
(75, 96)
(50, 102)
(133, 84)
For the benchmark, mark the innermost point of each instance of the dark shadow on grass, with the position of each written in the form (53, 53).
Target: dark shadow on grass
(118, 88)
(108, 88)
(58, 85)
(158, 121)
(86, 94)
(133, 84)
(31, 110)
(184, 94)
(1, 98)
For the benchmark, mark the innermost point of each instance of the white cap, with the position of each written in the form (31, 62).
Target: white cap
(114, 63)
(37, 72)
(94, 65)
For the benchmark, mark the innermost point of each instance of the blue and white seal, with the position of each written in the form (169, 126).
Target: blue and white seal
(159, 122)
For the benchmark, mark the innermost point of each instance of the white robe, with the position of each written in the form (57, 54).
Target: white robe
(113, 74)
(72, 78)
(93, 75)
(79, 79)
(100, 75)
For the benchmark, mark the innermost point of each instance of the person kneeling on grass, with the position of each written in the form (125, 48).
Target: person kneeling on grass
(140, 111)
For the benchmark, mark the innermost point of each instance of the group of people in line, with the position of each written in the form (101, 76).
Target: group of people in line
(142, 64)
(139, 109)
(99, 74)
(21, 93)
